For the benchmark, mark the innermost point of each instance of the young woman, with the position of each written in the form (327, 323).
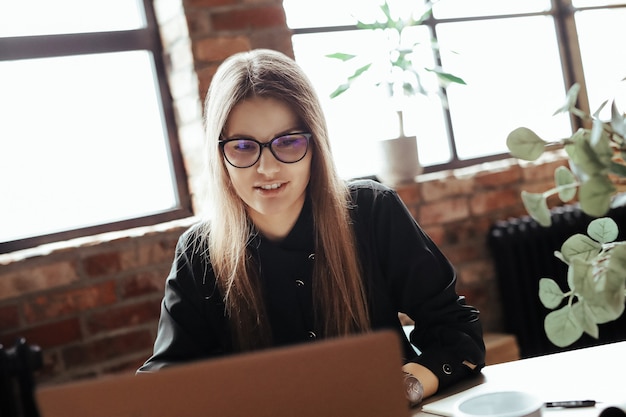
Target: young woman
(290, 253)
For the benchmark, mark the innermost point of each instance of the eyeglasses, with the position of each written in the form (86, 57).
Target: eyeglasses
(245, 152)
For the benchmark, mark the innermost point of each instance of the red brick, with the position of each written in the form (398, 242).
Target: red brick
(48, 335)
(9, 318)
(205, 75)
(470, 229)
(475, 273)
(52, 365)
(538, 172)
(107, 348)
(503, 177)
(31, 279)
(218, 49)
(443, 211)
(278, 39)
(73, 301)
(143, 283)
(124, 316)
(489, 201)
(148, 254)
(436, 233)
(198, 25)
(409, 194)
(251, 18)
(448, 187)
(466, 252)
(103, 264)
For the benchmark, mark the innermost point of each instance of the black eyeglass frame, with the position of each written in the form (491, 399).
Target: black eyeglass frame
(268, 144)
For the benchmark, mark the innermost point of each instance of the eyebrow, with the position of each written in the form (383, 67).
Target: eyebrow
(283, 133)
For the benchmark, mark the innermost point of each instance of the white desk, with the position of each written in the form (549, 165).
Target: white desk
(595, 373)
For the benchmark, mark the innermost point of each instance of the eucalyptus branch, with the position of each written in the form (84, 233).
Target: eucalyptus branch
(596, 261)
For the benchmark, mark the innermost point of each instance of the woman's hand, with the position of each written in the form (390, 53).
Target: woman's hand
(419, 381)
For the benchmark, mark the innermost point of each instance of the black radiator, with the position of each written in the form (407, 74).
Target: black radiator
(17, 383)
(523, 253)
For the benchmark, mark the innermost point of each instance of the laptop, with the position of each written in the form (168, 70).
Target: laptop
(353, 376)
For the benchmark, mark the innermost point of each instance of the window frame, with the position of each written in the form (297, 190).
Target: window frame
(146, 38)
(563, 14)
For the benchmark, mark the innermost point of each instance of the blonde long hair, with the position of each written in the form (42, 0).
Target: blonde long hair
(338, 291)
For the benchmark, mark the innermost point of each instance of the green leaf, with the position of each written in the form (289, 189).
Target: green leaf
(580, 278)
(580, 246)
(618, 120)
(603, 230)
(595, 195)
(359, 71)
(586, 319)
(607, 312)
(561, 327)
(617, 168)
(525, 144)
(560, 256)
(340, 90)
(617, 259)
(341, 56)
(550, 293)
(583, 155)
(601, 145)
(570, 99)
(537, 207)
(566, 183)
(345, 86)
(445, 77)
(596, 114)
(424, 16)
(608, 303)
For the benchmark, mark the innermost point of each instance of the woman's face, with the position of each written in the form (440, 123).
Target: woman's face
(273, 191)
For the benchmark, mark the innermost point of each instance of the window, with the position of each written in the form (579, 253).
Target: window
(517, 58)
(87, 138)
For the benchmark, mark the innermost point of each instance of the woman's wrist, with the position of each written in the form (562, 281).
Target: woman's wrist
(414, 389)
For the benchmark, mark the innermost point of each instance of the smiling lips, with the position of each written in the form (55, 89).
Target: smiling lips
(270, 186)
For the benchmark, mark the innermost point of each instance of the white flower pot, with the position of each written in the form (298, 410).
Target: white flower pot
(399, 162)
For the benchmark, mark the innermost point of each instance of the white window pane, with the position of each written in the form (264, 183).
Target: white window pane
(363, 115)
(323, 13)
(83, 143)
(46, 17)
(603, 56)
(513, 76)
(595, 3)
(467, 8)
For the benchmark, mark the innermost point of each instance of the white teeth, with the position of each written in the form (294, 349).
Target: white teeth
(270, 186)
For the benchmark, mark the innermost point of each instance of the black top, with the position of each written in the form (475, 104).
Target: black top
(404, 272)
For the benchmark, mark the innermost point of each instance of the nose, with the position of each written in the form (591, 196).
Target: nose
(268, 164)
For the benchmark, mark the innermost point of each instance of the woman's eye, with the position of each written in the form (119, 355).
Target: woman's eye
(243, 145)
(285, 142)
(289, 141)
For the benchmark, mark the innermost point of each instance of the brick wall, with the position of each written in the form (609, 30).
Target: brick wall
(92, 304)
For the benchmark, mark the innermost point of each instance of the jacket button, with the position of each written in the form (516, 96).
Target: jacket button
(447, 369)
(312, 335)
(299, 283)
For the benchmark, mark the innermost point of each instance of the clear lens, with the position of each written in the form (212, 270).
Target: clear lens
(290, 148)
(243, 153)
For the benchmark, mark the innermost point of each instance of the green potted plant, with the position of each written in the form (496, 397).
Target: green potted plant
(397, 70)
(596, 261)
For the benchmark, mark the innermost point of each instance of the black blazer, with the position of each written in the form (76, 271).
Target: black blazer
(404, 271)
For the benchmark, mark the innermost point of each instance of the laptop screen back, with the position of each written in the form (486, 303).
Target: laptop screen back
(355, 376)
